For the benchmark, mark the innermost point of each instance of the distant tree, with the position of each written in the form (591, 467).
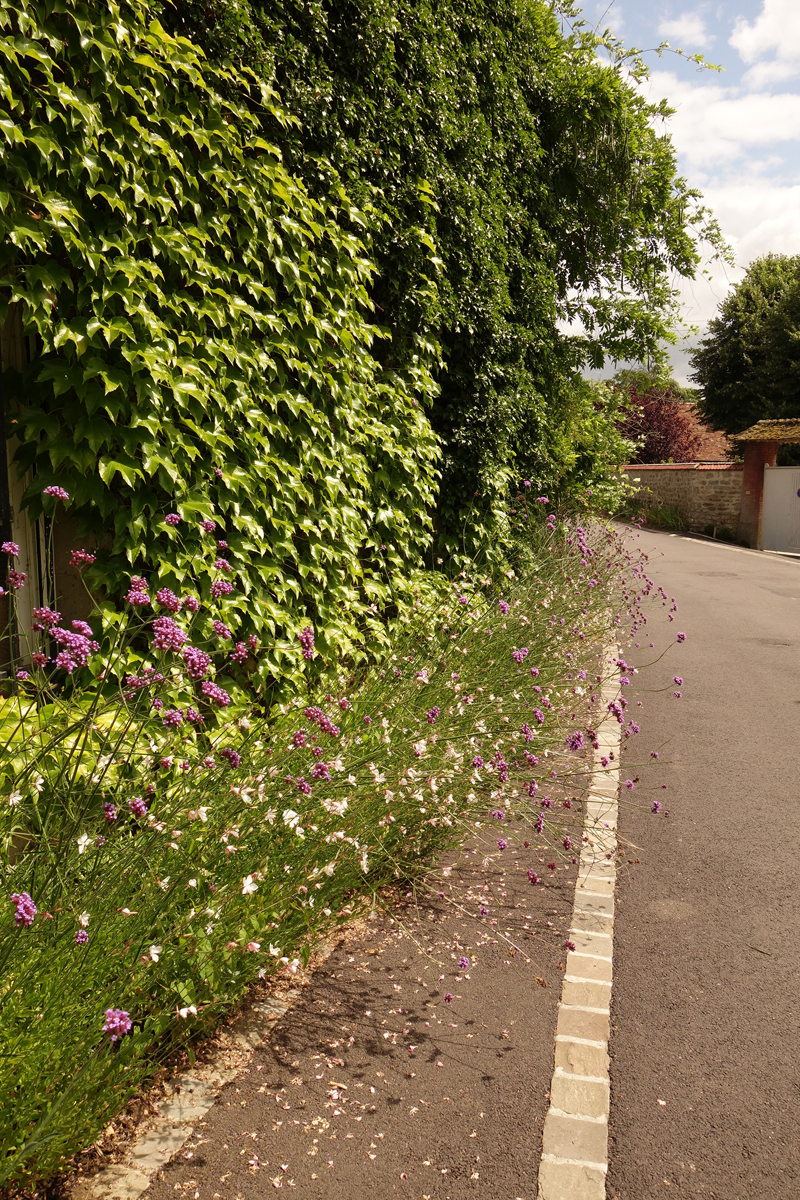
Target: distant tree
(748, 366)
(656, 418)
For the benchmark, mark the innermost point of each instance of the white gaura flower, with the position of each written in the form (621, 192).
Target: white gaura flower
(364, 862)
(14, 799)
(38, 783)
(84, 841)
(275, 951)
(192, 883)
(243, 723)
(164, 883)
(155, 951)
(184, 1012)
(291, 818)
(83, 920)
(336, 807)
(249, 885)
(270, 815)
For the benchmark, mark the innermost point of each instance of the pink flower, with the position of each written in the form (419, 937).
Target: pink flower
(172, 519)
(168, 635)
(221, 630)
(57, 492)
(222, 564)
(118, 1023)
(10, 548)
(214, 693)
(191, 603)
(221, 587)
(208, 526)
(168, 600)
(16, 578)
(81, 558)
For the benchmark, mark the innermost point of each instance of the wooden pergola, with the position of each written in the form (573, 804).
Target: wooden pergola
(760, 444)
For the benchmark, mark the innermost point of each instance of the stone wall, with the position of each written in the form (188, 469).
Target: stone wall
(703, 493)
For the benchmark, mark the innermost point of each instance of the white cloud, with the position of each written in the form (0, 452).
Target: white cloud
(686, 32)
(775, 32)
(715, 126)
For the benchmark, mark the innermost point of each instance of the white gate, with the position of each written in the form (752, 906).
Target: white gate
(780, 516)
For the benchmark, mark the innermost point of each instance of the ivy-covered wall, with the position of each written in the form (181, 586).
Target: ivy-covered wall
(205, 341)
(511, 138)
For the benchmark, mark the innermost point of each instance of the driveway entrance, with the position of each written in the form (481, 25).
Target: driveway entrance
(780, 521)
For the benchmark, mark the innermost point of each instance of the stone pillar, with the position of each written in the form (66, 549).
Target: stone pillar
(757, 455)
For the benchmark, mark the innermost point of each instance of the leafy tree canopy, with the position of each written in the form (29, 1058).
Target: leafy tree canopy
(748, 366)
(535, 218)
(656, 419)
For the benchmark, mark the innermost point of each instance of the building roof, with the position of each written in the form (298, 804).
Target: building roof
(787, 430)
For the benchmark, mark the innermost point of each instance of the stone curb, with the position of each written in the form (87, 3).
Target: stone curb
(574, 1158)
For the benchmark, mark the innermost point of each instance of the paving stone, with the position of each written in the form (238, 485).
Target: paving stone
(591, 995)
(576, 1058)
(594, 904)
(114, 1182)
(587, 1097)
(569, 1181)
(588, 966)
(576, 1022)
(592, 942)
(575, 1138)
(588, 922)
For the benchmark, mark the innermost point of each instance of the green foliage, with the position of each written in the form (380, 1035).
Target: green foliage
(550, 195)
(203, 344)
(749, 364)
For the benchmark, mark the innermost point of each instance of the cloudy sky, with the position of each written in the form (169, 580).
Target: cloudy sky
(737, 132)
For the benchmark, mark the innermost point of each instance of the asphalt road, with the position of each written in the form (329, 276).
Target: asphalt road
(705, 1056)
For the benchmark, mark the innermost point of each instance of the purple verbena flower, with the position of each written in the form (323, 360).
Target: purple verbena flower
(208, 526)
(138, 591)
(306, 640)
(81, 558)
(321, 770)
(222, 564)
(191, 604)
(299, 737)
(10, 548)
(23, 675)
(215, 694)
(81, 937)
(433, 713)
(657, 806)
(477, 761)
(168, 600)
(464, 963)
(303, 786)
(137, 806)
(172, 519)
(194, 717)
(448, 997)
(26, 910)
(221, 630)
(16, 579)
(109, 811)
(57, 492)
(221, 587)
(519, 656)
(502, 844)
(172, 718)
(39, 659)
(168, 634)
(198, 663)
(534, 878)
(239, 652)
(681, 637)
(118, 1023)
(232, 757)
